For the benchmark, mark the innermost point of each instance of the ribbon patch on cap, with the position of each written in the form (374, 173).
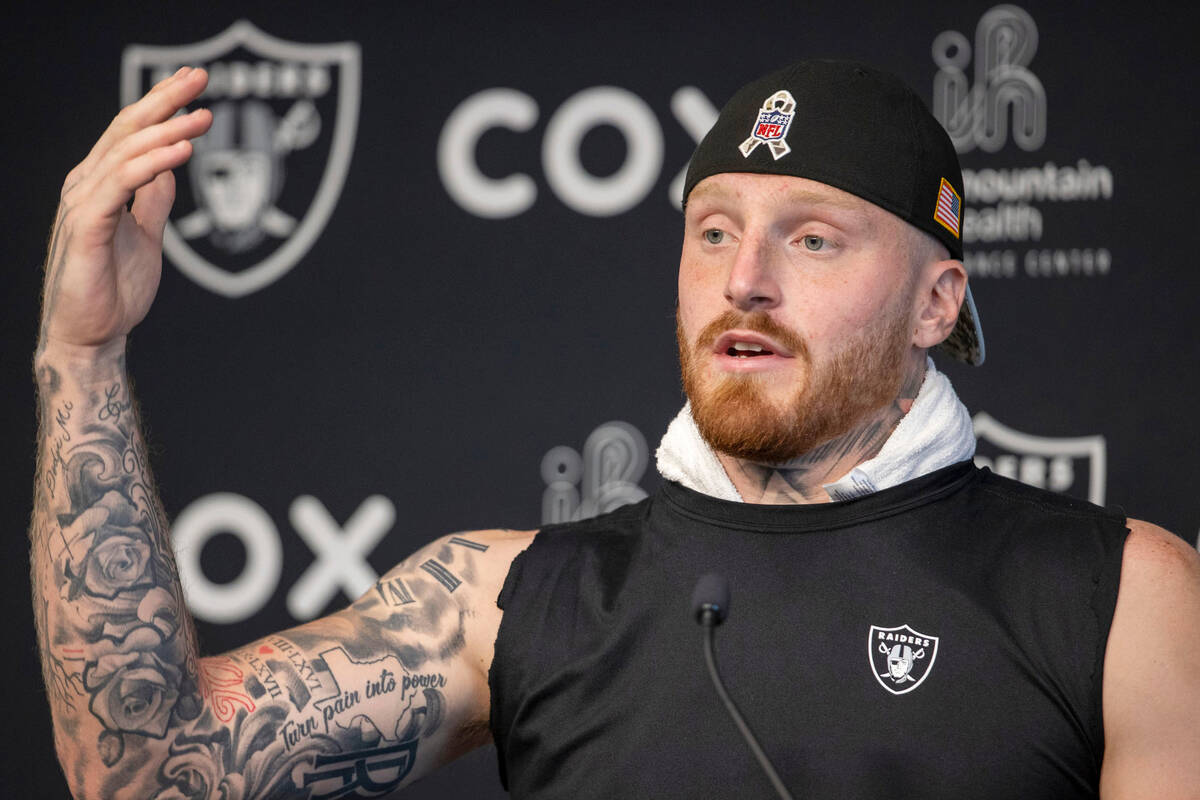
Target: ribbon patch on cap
(948, 210)
(774, 119)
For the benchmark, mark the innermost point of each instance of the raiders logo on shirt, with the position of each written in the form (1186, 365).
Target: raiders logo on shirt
(901, 658)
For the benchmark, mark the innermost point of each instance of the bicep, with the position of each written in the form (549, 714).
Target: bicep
(377, 694)
(1151, 691)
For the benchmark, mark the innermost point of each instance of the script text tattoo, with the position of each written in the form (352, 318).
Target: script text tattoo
(285, 715)
(105, 590)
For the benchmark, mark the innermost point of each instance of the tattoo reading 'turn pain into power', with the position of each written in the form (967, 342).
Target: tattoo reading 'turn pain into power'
(331, 708)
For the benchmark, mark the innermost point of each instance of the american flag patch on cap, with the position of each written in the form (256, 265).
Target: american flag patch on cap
(948, 210)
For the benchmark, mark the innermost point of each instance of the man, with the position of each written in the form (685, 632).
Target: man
(1019, 644)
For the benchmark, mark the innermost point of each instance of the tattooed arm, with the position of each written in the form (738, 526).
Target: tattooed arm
(369, 698)
(358, 703)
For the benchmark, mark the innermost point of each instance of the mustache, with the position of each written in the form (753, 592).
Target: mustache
(757, 321)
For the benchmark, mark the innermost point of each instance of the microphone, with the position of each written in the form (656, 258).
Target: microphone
(710, 606)
(710, 600)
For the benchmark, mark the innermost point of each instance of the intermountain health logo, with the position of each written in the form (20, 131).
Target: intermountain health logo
(605, 477)
(264, 180)
(987, 95)
(978, 114)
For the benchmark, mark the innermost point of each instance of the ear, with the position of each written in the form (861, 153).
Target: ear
(942, 288)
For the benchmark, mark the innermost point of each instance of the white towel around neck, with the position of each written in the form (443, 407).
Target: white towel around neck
(936, 432)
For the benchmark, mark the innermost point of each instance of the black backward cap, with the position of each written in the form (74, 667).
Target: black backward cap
(856, 128)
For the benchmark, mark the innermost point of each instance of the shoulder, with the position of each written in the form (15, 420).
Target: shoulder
(1151, 692)
(468, 566)
(1151, 551)
(1160, 580)
(503, 539)
(1064, 544)
(1158, 602)
(489, 553)
(1014, 492)
(1159, 590)
(624, 521)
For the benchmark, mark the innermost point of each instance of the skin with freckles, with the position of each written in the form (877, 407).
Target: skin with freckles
(838, 301)
(844, 299)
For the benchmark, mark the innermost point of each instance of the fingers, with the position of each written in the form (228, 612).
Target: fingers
(152, 204)
(160, 103)
(176, 129)
(126, 177)
(139, 158)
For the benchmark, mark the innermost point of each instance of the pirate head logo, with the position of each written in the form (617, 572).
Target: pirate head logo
(237, 172)
(264, 180)
(1073, 466)
(901, 658)
(771, 125)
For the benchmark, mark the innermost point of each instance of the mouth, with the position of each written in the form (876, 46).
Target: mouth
(748, 350)
(748, 344)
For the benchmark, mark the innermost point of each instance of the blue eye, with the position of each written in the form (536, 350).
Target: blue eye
(814, 242)
(714, 236)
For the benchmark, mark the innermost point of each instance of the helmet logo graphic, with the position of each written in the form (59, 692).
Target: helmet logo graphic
(265, 178)
(901, 658)
(237, 173)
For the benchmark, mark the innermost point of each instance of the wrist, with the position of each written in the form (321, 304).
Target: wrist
(84, 364)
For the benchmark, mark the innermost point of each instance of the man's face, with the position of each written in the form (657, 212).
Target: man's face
(795, 317)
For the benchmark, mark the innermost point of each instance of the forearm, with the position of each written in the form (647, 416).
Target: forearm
(376, 694)
(118, 648)
(326, 709)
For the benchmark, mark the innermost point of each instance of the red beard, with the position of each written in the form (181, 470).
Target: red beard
(735, 415)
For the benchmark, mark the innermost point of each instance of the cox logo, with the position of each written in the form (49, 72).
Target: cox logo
(511, 109)
(341, 552)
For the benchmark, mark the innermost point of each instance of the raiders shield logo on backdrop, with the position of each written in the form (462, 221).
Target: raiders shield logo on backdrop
(901, 658)
(1073, 466)
(262, 183)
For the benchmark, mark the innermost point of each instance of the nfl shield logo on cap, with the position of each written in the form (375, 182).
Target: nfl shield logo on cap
(771, 125)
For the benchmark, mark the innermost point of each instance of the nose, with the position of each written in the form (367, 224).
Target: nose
(752, 285)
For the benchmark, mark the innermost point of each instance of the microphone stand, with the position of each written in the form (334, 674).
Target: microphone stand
(709, 618)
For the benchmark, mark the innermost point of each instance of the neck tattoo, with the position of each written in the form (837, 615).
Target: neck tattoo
(802, 479)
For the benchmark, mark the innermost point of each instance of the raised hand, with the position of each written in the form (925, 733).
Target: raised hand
(105, 258)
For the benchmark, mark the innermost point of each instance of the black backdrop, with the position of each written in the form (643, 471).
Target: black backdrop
(406, 372)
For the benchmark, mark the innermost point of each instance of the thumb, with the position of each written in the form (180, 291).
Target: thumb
(152, 204)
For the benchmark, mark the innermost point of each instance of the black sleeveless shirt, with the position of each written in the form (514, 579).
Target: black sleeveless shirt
(940, 639)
